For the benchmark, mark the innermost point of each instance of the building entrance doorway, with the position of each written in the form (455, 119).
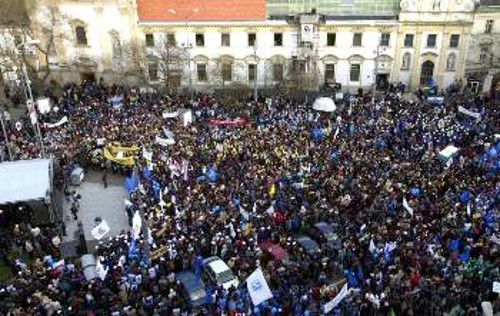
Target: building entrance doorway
(382, 81)
(426, 72)
(87, 76)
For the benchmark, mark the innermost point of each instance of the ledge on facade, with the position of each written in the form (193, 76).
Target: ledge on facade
(291, 19)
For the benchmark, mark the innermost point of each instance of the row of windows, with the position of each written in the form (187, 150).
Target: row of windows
(451, 61)
(331, 39)
(278, 70)
(226, 72)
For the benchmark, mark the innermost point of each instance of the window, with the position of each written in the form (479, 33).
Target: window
(408, 40)
(227, 72)
(171, 39)
(252, 39)
(355, 72)
(201, 70)
(81, 35)
(485, 52)
(116, 45)
(200, 40)
(330, 73)
(431, 40)
(488, 26)
(17, 40)
(454, 40)
(153, 71)
(357, 39)
(225, 40)
(405, 64)
(385, 38)
(451, 61)
(330, 39)
(150, 40)
(252, 72)
(278, 39)
(278, 72)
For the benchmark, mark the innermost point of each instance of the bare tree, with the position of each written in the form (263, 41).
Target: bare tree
(13, 20)
(170, 59)
(49, 27)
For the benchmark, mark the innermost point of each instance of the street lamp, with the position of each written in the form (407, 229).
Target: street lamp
(7, 140)
(30, 103)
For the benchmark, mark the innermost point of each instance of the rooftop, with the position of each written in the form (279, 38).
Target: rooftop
(201, 10)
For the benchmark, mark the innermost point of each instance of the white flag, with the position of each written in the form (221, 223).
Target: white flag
(136, 224)
(270, 210)
(100, 271)
(407, 206)
(336, 132)
(257, 287)
(372, 248)
(100, 230)
(336, 300)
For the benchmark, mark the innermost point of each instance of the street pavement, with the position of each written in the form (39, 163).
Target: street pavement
(96, 201)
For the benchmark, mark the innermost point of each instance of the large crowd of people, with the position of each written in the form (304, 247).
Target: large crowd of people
(417, 235)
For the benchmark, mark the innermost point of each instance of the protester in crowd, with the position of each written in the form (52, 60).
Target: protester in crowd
(417, 235)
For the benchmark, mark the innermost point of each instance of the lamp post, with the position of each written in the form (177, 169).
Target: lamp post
(30, 103)
(255, 72)
(7, 141)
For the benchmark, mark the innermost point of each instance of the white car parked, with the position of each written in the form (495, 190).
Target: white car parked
(218, 271)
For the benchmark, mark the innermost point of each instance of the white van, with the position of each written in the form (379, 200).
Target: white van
(218, 271)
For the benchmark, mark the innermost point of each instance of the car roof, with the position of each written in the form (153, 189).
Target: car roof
(190, 280)
(323, 226)
(216, 264)
(305, 240)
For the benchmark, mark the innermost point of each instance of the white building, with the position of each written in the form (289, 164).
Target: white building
(483, 56)
(259, 43)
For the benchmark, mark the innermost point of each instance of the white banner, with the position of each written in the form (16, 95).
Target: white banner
(407, 206)
(307, 33)
(61, 122)
(136, 224)
(167, 115)
(148, 155)
(328, 307)
(43, 105)
(100, 230)
(187, 118)
(463, 110)
(100, 270)
(164, 141)
(257, 287)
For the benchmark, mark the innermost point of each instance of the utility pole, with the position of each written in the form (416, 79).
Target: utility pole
(30, 103)
(7, 141)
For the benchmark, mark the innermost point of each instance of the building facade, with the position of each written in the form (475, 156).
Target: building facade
(483, 56)
(301, 45)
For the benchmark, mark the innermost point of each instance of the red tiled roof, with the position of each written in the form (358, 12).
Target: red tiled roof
(201, 10)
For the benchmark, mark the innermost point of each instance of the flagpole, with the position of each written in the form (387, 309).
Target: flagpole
(144, 228)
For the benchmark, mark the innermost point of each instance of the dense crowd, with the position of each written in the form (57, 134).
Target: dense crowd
(416, 235)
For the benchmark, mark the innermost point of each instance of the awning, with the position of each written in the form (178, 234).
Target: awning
(24, 180)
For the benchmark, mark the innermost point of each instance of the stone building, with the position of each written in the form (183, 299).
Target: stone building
(303, 45)
(483, 55)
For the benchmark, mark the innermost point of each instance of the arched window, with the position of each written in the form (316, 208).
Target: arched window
(405, 64)
(116, 45)
(451, 61)
(81, 35)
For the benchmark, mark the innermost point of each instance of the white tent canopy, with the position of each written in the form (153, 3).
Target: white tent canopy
(324, 105)
(24, 180)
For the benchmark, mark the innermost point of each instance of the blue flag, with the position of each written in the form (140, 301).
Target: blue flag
(131, 184)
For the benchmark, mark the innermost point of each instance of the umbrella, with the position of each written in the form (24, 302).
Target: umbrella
(324, 105)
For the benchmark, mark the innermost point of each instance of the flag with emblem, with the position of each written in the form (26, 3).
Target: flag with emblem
(257, 287)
